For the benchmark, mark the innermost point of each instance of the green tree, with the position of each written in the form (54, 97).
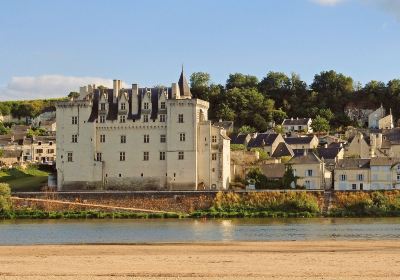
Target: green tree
(278, 116)
(246, 129)
(5, 197)
(239, 80)
(289, 179)
(320, 124)
(200, 83)
(73, 95)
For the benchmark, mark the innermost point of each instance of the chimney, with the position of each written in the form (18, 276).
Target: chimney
(135, 101)
(305, 152)
(175, 91)
(116, 89)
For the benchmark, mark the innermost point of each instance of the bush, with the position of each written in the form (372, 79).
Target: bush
(5, 197)
(238, 147)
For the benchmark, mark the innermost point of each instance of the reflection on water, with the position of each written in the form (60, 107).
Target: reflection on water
(130, 231)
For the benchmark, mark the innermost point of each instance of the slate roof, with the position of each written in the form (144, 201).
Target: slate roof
(262, 139)
(384, 161)
(239, 139)
(283, 150)
(298, 140)
(184, 86)
(325, 153)
(308, 158)
(302, 121)
(353, 163)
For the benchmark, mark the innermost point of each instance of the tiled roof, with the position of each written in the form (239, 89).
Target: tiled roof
(307, 158)
(262, 139)
(273, 171)
(303, 121)
(325, 153)
(383, 161)
(184, 86)
(353, 163)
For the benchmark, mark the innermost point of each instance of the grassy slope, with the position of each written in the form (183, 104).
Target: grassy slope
(30, 179)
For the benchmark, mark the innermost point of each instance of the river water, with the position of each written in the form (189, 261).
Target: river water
(189, 230)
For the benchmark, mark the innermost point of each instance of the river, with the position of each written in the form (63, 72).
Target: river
(189, 230)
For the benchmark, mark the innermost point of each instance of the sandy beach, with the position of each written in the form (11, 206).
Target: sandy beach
(239, 260)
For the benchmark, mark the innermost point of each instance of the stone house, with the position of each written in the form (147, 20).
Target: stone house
(140, 139)
(268, 141)
(297, 125)
(44, 149)
(302, 142)
(10, 157)
(310, 170)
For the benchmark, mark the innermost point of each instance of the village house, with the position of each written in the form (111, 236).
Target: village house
(10, 158)
(44, 149)
(309, 169)
(140, 139)
(268, 141)
(380, 173)
(378, 119)
(240, 139)
(302, 142)
(297, 125)
(283, 150)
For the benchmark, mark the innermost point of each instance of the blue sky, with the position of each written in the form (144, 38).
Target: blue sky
(50, 47)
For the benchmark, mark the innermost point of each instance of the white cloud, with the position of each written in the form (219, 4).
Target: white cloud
(46, 86)
(327, 2)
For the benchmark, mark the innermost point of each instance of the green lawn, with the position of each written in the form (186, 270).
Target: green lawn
(20, 180)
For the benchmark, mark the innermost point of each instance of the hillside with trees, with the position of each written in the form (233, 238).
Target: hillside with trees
(255, 103)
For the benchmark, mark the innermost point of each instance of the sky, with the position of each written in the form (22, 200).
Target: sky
(49, 48)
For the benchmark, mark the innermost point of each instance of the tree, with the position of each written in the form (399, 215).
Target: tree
(199, 80)
(320, 124)
(274, 81)
(289, 180)
(246, 129)
(73, 95)
(5, 195)
(239, 80)
(278, 116)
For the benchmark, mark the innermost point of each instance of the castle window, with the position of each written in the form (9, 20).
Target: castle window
(122, 119)
(121, 156)
(214, 156)
(146, 105)
(50, 143)
(180, 118)
(145, 156)
(162, 105)
(214, 139)
(74, 138)
(360, 177)
(123, 139)
(181, 155)
(98, 156)
(102, 138)
(182, 137)
(39, 143)
(162, 155)
(343, 177)
(69, 156)
(102, 119)
(162, 118)
(123, 106)
(163, 139)
(146, 138)
(102, 106)
(120, 175)
(145, 118)
(74, 120)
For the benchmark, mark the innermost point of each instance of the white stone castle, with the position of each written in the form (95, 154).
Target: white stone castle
(139, 139)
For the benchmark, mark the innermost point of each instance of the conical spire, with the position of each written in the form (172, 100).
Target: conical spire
(184, 86)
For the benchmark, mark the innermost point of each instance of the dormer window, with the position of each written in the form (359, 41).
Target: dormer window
(122, 119)
(123, 107)
(102, 119)
(145, 118)
(162, 118)
(146, 105)
(162, 105)
(102, 106)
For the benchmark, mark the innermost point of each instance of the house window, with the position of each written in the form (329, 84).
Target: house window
(102, 138)
(360, 177)
(146, 105)
(50, 143)
(146, 138)
(145, 156)
(74, 120)
(162, 155)
(309, 173)
(50, 151)
(353, 186)
(163, 138)
(214, 139)
(74, 138)
(98, 156)
(121, 119)
(39, 151)
(145, 118)
(39, 143)
(162, 118)
(121, 156)
(162, 105)
(398, 178)
(123, 107)
(307, 184)
(214, 156)
(299, 127)
(182, 137)
(180, 118)
(69, 156)
(102, 119)
(123, 139)
(102, 106)
(343, 177)
(181, 155)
